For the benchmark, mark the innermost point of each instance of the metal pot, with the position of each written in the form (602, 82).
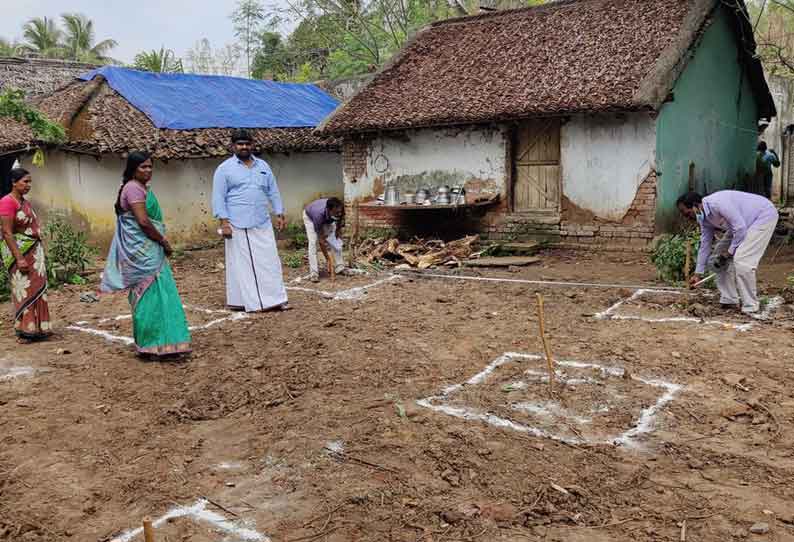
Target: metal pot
(409, 198)
(458, 195)
(442, 197)
(422, 196)
(392, 195)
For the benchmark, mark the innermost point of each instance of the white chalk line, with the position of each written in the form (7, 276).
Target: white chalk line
(642, 425)
(199, 513)
(83, 326)
(349, 271)
(537, 282)
(351, 294)
(15, 372)
(772, 305)
(232, 318)
(611, 312)
(104, 334)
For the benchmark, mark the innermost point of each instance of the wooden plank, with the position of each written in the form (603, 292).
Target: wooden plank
(502, 261)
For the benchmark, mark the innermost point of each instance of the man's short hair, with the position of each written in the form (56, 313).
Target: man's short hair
(241, 135)
(762, 146)
(334, 203)
(689, 200)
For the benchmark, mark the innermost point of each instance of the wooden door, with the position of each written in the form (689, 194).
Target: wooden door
(536, 166)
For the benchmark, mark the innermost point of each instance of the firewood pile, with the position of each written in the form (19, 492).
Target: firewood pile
(420, 253)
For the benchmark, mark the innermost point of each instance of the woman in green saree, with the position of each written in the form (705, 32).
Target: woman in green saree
(138, 263)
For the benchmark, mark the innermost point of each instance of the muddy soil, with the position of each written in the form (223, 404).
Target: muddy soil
(303, 425)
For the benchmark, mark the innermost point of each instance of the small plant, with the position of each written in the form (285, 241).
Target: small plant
(68, 252)
(294, 260)
(297, 232)
(669, 255)
(178, 254)
(14, 106)
(5, 285)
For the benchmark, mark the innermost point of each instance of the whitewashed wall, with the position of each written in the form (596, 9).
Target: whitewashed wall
(605, 158)
(474, 157)
(86, 189)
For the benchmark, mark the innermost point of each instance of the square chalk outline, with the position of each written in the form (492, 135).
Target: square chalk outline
(83, 326)
(642, 425)
(612, 314)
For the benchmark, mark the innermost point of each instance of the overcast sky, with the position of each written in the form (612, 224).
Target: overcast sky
(137, 25)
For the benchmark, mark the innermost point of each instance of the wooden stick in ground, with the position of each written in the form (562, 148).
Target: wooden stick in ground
(148, 530)
(354, 242)
(331, 265)
(549, 359)
(687, 271)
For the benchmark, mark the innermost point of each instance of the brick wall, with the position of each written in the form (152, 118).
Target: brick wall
(354, 158)
(635, 230)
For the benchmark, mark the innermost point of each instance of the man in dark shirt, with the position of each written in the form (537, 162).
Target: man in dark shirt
(324, 220)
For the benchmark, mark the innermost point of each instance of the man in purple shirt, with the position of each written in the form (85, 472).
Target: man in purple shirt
(747, 222)
(324, 220)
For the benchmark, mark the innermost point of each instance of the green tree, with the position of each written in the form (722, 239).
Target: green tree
(79, 41)
(348, 37)
(272, 59)
(42, 37)
(8, 48)
(248, 18)
(773, 21)
(162, 61)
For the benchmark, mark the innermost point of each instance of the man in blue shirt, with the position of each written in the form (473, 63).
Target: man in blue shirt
(243, 192)
(766, 159)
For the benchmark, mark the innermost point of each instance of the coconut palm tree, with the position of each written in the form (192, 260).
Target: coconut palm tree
(79, 39)
(8, 48)
(42, 37)
(162, 61)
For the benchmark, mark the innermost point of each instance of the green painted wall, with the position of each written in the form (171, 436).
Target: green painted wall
(712, 121)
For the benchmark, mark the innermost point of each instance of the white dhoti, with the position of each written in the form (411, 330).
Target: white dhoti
(334, 244)
(736, 281)
(254, 279)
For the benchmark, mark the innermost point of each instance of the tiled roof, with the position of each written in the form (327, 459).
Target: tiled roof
(564, 57)
(100, 121)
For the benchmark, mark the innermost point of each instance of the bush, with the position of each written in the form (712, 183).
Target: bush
(669, 255)
(68, 253)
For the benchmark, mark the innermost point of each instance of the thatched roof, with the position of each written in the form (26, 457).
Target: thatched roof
(37, 77)
(565, 57)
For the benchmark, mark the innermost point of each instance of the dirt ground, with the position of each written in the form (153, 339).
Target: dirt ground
(304, 426)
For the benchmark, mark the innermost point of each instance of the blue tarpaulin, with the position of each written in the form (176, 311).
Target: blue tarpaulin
(187, 102)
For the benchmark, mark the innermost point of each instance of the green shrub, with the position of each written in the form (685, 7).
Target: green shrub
(68, 253)
(294, 259)
(297, 232)
(669, 255)
(5, 283)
